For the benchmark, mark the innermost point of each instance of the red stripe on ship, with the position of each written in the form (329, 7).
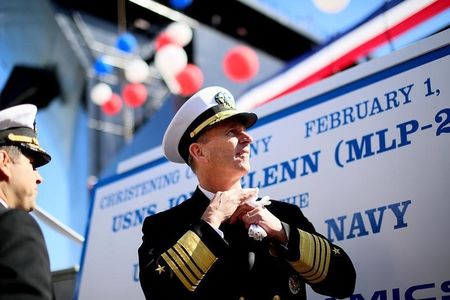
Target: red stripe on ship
(349, 58)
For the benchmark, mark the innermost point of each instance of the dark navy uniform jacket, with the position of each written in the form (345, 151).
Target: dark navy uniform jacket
(183, 257)
(24, 263)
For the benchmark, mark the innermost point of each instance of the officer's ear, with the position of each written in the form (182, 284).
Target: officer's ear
(5, 162)
(197, 152)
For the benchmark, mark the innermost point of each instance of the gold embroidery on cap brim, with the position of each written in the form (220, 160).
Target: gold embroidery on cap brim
(22, 138)
(212, 120)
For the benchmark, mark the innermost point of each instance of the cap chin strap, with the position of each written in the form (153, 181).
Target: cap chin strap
(212, 120)
(27, 140)
(22, 139)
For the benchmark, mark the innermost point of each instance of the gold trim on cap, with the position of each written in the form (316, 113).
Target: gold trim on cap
(30, 141)
(211, 120)
(22, 139)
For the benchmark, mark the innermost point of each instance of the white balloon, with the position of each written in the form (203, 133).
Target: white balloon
(180, 33)
(136, 71)
(170, 60)
(100, 93)
(172, 84)
(331, 6)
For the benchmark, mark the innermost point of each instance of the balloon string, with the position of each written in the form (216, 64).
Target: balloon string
(121, 15)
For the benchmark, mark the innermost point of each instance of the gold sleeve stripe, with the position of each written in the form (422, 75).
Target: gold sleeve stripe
(318, 257)
(324, 258)
(306, 253)
(197, 250)
(177, 272)
(315, 255)
(189, 262)
(189, 259)
(181, 265)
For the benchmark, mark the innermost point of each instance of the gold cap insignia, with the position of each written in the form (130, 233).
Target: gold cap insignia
(225, 99)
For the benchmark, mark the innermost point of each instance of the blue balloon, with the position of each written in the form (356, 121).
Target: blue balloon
(102, 67)
(126, 42)
(180, 4)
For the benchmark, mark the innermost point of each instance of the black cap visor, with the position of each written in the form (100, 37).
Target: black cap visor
(39, 155)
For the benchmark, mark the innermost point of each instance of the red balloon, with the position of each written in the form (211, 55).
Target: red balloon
(241, 63)
(162, 39)
(190, 80)
(113, 105)
(134, 94)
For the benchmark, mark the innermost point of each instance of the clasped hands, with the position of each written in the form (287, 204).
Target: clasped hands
(240, 205)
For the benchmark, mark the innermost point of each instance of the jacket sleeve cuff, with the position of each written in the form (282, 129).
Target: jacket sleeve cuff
(289, 250)
(210, 237)
(191, 257)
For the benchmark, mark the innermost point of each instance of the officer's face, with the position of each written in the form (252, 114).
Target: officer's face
(24, 180)
(227, 147)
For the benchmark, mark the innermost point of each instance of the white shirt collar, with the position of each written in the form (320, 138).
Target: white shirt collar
(4, 203)
(207, 193)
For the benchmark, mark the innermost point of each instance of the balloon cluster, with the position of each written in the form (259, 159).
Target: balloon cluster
(134, 92)
(171, 60)
(240, 64)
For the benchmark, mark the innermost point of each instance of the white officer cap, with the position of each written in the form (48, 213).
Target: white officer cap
(201, 111)
(17, 128)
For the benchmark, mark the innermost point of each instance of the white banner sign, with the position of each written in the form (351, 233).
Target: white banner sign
(364, 154)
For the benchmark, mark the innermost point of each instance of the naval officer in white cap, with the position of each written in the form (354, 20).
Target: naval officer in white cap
(24, 263)
(206, 247)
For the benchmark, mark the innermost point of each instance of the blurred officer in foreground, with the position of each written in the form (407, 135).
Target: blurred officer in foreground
(223, 243)
(24, 263)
